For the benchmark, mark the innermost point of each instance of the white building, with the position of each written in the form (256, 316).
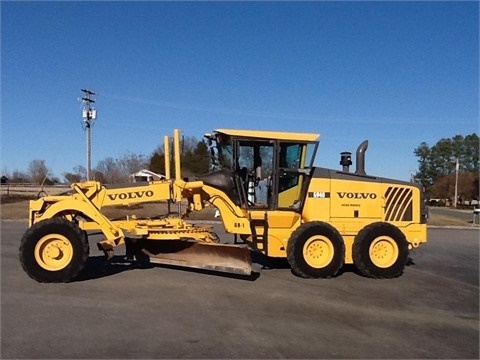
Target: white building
(145, 175)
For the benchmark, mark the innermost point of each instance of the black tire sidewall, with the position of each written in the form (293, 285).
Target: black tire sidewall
(32, 236)
(297, 241)
(361, 247)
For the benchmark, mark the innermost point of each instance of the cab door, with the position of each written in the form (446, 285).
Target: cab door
(292, 170)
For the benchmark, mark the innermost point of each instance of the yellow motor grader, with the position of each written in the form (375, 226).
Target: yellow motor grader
(269, 195)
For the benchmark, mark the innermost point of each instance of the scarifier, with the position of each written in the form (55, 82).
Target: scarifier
(269, 195)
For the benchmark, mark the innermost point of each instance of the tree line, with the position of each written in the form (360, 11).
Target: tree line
(195, 160)
(437, 166)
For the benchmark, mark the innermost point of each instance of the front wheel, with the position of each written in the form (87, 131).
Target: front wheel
(53, 250)
(380, 251)
(316, 250)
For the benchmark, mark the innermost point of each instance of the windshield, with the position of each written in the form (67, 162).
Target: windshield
(222, 152)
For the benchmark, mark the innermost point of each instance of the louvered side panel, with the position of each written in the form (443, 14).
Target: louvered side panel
(398, 204)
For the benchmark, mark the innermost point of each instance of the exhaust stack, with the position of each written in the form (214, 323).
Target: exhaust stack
(360, 158)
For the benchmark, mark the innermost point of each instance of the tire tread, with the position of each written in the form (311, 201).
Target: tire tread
(295, 244)
(363, 239)
(31, 237)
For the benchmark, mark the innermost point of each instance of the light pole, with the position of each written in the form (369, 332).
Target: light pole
(89, 114)
(456, 184)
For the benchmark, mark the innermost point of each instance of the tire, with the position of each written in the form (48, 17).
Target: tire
(380, 251)
(316, 250)
(54, 250)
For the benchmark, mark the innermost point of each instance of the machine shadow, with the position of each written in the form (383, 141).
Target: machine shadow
(351, 268)
(269, 263)
(98, 267)
(348, 268)
(252, 277)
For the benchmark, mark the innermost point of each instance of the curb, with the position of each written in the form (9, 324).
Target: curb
(453, 227)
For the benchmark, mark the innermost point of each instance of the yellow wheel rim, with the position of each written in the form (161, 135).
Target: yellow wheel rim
(318, 251)
(383, 252)
(53, 252)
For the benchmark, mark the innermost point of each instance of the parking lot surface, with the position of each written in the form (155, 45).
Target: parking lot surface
(119, 311)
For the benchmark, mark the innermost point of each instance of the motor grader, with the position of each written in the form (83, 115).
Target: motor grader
(269, 195)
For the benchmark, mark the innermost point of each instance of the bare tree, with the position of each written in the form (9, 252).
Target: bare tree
(110, 170)
(19, 177)
(81, 171)
(188, 144)
(98, 176)
(5, 172)
(78, 174)
(108, 167)
(71, 177)
(130, 163)
(38, 171)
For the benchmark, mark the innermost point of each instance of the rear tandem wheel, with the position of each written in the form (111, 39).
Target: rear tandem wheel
(380, 251)
(53, 250)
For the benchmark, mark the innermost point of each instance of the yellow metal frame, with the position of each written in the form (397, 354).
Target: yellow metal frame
(278, 135)
(87, 199)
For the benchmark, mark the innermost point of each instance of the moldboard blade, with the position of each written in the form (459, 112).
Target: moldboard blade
(217, 257)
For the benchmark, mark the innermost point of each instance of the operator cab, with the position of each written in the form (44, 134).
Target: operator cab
(267, 169)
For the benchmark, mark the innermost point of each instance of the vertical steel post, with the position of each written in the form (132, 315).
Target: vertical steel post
(456, 184)
(166, 146)
(87, 115)
(89, 150)
(178, 175)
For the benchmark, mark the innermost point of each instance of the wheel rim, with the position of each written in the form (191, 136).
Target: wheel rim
(53, 252)
(318, 251)
(384, 251)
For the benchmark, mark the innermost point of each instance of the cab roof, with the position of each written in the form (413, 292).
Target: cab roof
(276, 135)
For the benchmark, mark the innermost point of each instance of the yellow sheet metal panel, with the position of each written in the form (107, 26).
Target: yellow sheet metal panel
(416, 234)
(277, 219)
(134, 194)
(278, 135)
(356, 200)
(317, 201)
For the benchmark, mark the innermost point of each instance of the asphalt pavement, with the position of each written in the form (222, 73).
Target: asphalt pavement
(120, 311)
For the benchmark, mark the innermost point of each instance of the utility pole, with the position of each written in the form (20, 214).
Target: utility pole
(456, 184)
(89, 114)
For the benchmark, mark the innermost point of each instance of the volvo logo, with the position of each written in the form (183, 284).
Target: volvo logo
(131, 195)
(356, 195)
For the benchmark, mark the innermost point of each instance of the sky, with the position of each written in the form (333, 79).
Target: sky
(393, 73)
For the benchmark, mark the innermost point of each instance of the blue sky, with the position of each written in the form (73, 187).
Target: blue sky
(395, 73)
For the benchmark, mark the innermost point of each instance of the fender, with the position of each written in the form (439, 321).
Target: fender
(111, 232)
(233, 217)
